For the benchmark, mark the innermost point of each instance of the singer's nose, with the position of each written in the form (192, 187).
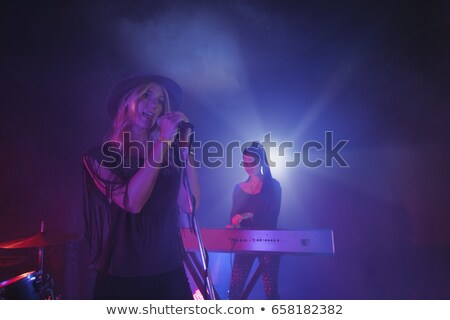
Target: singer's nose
(151, 103)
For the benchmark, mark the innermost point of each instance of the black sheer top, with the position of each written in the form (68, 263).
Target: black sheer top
(127, 244)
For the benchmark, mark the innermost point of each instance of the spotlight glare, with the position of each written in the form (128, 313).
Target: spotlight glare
(277, 163)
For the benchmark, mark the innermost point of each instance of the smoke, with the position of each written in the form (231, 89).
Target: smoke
(198, 49)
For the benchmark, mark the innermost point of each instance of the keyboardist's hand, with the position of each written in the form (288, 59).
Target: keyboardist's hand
(233, 226)
(237, 218)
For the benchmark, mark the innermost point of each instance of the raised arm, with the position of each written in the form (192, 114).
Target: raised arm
(133, 195)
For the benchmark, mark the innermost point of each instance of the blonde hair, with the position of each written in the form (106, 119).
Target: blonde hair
(127, 107)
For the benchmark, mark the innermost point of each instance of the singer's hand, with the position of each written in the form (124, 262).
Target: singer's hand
(169, 124)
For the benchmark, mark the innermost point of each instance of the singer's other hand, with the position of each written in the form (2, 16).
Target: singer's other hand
(169, 124)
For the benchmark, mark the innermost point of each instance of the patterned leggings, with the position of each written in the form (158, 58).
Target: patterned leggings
(242, 266)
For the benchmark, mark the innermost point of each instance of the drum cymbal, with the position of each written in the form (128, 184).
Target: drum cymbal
(39, 240)
(7, 261)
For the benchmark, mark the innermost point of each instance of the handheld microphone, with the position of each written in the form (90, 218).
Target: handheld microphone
(185, 128)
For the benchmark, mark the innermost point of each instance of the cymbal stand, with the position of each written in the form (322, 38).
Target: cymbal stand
(41, 253)
(45, 283)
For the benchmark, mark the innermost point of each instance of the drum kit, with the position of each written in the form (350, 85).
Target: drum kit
(36, 284)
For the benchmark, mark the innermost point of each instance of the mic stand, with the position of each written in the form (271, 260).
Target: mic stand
(191, 200)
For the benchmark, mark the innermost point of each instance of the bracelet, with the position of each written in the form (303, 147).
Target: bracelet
(167, 140)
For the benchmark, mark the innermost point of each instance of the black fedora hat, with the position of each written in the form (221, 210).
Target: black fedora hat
(125, 85)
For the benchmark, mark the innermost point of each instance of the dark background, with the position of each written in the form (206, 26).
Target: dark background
(375, 73)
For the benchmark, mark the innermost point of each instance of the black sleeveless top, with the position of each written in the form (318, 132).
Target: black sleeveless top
(127, 244)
